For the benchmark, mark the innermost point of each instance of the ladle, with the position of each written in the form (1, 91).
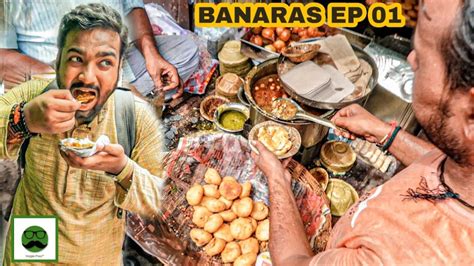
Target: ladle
(300, 113)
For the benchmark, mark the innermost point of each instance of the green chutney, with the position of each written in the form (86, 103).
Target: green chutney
(232, 120)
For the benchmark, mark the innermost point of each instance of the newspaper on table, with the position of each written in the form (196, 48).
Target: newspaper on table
(167, 237)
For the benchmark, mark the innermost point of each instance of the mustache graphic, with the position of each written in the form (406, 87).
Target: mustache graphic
(82, 85)
(34, 243)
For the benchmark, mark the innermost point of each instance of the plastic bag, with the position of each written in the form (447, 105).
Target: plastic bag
(167, 237)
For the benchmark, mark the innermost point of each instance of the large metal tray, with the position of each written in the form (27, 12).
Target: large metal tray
(253, 51)
(261, 54)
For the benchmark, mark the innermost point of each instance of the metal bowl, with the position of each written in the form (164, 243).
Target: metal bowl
(230, 107)
(241, 96)
(311, 133)
(338, 157)
(205, 107)
(301, 52)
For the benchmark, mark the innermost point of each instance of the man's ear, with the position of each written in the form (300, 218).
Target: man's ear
(469, 128)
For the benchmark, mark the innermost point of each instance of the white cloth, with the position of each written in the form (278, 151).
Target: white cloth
(31, 26)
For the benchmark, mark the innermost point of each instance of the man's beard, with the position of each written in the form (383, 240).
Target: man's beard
(85, 118)
(440, 134)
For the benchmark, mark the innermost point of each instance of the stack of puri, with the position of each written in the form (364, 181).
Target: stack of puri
(228, 223)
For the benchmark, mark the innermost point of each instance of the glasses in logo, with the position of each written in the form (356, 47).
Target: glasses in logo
(39, 234)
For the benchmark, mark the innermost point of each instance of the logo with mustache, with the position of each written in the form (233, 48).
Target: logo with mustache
(34, 239)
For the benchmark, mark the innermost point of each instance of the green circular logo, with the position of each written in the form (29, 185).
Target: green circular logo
(34, 239)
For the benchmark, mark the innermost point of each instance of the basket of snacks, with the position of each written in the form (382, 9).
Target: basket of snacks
(215, 205)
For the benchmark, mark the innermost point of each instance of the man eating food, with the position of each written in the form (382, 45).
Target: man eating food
(88, 195)
(83, 97)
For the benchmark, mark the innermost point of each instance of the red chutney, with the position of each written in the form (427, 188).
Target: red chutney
(266, 90)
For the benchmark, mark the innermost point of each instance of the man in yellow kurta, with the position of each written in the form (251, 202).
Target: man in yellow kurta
(86, 194)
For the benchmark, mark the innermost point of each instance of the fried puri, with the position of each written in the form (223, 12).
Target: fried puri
(212, 177)
(259, 211)
(200, 237)
(194, 195)
(213, 223)
(241, 228)
(230, 189)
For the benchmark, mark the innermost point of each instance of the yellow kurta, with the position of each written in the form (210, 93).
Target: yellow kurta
(86, 202)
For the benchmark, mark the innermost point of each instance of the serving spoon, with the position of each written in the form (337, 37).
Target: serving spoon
(300, 113)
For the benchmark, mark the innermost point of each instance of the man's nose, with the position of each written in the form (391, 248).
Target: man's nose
(87, 76)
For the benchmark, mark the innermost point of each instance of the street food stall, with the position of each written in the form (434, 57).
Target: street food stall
(279, 86)
(285, 101)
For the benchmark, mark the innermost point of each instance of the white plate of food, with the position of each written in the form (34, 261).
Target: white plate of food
(82, 147)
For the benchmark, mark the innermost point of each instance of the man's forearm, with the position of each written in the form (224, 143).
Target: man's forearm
(141, 32)
(408, 148)
(16, 68)
(288, 241)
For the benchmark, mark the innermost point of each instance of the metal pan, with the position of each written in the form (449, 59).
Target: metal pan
(311, 133)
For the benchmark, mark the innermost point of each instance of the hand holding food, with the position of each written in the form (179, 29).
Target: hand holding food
(77, 144)
(51, 112)
(109, 158)
(269, 164)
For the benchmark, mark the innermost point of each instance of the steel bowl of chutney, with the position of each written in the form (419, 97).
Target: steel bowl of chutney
(231, 117)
